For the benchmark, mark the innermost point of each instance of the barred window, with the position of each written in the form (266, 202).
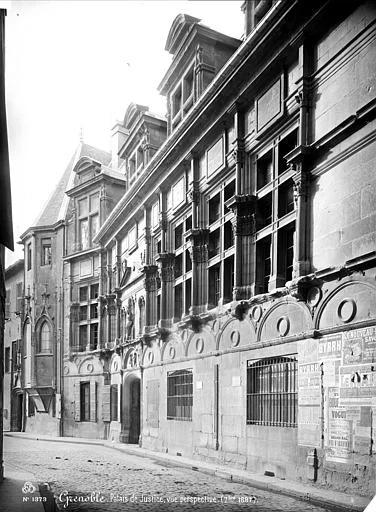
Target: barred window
(272, 392)
(180, 395)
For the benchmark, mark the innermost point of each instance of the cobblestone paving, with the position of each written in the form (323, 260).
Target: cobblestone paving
(99, 479)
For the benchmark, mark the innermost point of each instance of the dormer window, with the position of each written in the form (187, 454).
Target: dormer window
(88, 222)
(182, 97)
(140, 158)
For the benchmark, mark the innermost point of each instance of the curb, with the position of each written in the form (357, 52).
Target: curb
(343, 504)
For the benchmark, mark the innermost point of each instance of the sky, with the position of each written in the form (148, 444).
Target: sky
(72, 68)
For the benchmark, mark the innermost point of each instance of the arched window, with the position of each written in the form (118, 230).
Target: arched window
(45, 339)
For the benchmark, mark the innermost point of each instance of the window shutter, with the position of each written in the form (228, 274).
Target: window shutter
(93, 401)
(106, 401)
(77, 405)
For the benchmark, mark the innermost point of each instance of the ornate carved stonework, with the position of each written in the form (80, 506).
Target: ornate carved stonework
(199, 245)
(163, 224)
(111, 304)
(244, 208)
(300, 182)
(194, 195)
(151, 277)
(166, 261)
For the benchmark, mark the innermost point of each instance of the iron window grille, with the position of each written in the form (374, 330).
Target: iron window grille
(272, 395)
(180, 395)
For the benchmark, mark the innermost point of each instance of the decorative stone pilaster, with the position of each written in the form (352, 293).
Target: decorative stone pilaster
(244, 226)
(166, 264)
(151, 281)
(199, 239)
(102, 321)
(111, 317)
(203, 72)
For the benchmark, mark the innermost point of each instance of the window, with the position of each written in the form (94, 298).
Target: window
(7, 304)
(45, 339)
(182, 97)
(94, 291)
(46, 252)
(114, 402)
(88, 317)
(272, 392)
(93, 336)
(88, 223)
(20, 299)
(82, 338)
(182, 268)
(85, 401)
(275, 215)
(29, 256)
(7, 360)
(180, 395)
(178, 302)
(221, 246)
(214, 284)
(83, 294)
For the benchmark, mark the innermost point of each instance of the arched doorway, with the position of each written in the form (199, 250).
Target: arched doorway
(130, 418)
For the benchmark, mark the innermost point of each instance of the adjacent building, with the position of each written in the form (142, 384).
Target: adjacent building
(13, 402)
(211, 286)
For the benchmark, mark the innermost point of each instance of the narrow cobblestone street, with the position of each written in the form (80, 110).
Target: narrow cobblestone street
(87, 477)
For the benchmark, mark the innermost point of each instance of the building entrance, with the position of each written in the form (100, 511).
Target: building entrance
(131, 409)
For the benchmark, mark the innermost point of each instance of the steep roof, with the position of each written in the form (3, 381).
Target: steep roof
(54, 209)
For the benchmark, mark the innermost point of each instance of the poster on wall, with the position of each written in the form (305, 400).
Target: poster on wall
(338, 435)
(309, 397)
(359, 346)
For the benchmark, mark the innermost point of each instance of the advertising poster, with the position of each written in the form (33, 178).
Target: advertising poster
(338, 438)
(309, 397)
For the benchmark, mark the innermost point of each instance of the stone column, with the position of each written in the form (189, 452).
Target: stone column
(166, 262)
(301, 251)
(151, 277)
(199, 239)
(298, 161)
(244, 227)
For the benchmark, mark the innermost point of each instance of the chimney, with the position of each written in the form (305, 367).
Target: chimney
(119, 135)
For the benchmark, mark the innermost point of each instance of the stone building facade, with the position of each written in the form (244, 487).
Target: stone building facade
(224, 309)
(257, 222)
(13, 402)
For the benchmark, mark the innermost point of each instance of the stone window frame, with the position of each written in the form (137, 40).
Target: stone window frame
(182, 251)
(88, 216)
(225, 256)
(180, 394)
(46, 251)
(272, 392)
(92, 334)
(185, 100)
(274, 225)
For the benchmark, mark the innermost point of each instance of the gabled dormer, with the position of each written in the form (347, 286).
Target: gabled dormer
(146, 133)
(198, 54)
(93, 190)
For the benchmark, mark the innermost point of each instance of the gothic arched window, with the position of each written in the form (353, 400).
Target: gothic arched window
(45, 339)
